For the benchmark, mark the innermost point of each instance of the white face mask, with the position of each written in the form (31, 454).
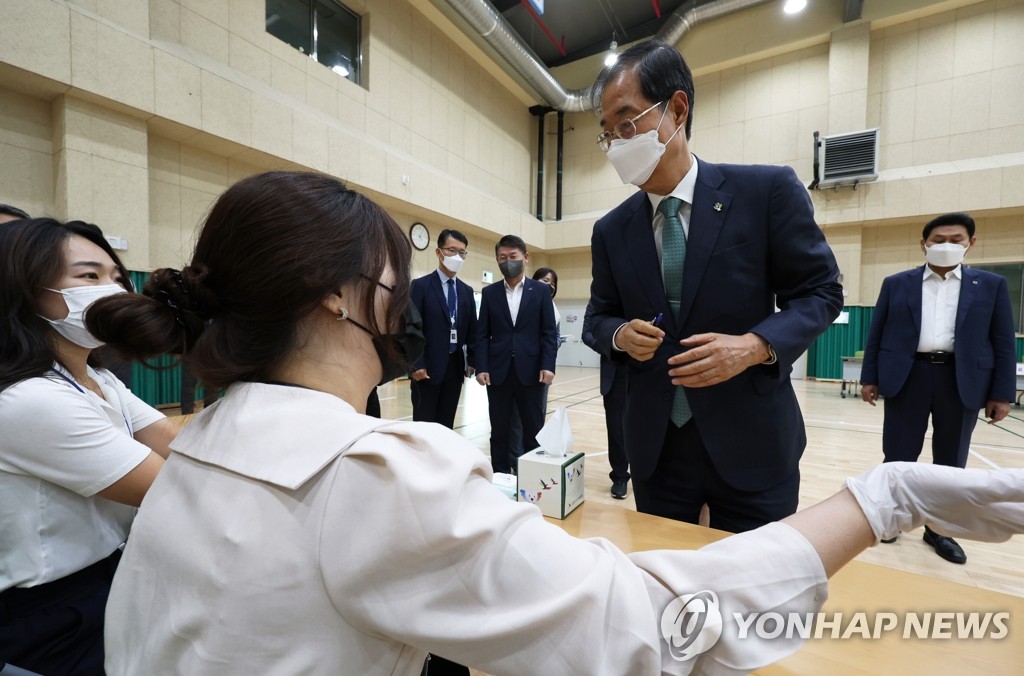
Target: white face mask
(636, 159)
(945, 255)
(78, 300)
(453, 263)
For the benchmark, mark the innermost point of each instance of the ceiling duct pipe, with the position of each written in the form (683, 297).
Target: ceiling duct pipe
(496, 31)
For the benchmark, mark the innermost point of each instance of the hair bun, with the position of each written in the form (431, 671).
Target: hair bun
(168, 286)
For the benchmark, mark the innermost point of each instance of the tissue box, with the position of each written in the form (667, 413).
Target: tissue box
(506, 484)
(553, 483)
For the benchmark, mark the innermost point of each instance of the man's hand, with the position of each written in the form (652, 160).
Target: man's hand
(483, 378)
(716, 357)
(546, 377)
(419, 374)
(869, 393)
(639, 339)
(996, 411)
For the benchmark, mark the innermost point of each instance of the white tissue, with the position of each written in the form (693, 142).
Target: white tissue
(556, 435)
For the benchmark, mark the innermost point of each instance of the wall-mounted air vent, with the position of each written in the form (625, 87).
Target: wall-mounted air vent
(846, 159)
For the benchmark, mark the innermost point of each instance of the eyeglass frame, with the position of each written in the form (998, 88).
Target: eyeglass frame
(605, 138)
(454, 252)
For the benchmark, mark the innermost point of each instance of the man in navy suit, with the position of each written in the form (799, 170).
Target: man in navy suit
(515, 351)
(941, 343)
(687, 275)
(613, 394)
(449, 323)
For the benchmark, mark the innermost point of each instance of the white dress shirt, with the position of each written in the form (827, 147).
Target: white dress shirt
(288, 534)
(514, 296)
(939, 300)
(59, 446)
(444, 287)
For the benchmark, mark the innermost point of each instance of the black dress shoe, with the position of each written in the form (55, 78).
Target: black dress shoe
(619, 489)
(888, 541)
(946, 547)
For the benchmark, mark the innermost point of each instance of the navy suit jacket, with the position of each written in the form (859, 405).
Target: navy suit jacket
(533, 340)
(609, 368)
(752, 244)
(983, 343)
(431, 299)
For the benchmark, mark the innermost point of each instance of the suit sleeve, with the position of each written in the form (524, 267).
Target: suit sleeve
(607, 315)
(548, 333)
(417, 297)
(1004, 378)
(587, 334)
(869, 369)
(483, 334)
(803, 273)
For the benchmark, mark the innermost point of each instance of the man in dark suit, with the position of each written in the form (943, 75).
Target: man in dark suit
(613, 393)
(941, 343)
(515, 352)
(686, 278)
(449, 322)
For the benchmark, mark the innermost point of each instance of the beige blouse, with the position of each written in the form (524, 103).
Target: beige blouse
(289, 534)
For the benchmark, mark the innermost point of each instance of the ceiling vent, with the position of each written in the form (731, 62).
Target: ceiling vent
(846, 159)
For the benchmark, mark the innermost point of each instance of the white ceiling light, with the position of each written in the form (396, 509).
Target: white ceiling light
(613, 55)
(794, 6)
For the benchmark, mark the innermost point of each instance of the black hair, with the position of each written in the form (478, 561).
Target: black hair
(544, 272)
(956, 218)
(273, 247)
(33, 256)
(661, 70)
(455, 234)
(512, 242)
(13, 211)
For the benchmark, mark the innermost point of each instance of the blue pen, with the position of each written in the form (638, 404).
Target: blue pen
(656, 320)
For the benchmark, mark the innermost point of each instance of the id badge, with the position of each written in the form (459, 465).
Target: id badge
(454, 339)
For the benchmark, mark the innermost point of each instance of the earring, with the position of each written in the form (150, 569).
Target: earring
(342, 313)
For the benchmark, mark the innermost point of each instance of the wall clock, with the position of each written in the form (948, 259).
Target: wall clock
(419, 235)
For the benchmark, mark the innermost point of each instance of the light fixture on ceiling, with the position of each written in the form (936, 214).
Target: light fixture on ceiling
(794, 6)
(613, 54)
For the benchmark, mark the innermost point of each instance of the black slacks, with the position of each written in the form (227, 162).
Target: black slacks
(685, 479)
(438, 402)
(930, 390)
(614, 406)
(529, 400)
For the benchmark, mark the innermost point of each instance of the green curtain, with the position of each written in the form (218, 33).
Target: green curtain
(824, 358)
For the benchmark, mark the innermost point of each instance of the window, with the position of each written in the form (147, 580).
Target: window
(1014, 274)
(324, 29)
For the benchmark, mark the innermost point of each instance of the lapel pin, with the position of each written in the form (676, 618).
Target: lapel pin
(974, 281)
(718, 206)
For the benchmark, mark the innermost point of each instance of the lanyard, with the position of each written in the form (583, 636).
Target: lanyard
(79, 388)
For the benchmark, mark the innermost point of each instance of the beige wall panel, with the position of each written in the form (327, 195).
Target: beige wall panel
(26, 145)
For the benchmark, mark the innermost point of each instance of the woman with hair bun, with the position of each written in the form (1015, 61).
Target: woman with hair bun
(78, 451)
(289, 533)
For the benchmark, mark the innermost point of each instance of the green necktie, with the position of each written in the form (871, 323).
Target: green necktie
(673, 244)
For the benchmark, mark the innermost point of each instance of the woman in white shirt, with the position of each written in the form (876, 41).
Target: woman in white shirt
(77, 449)
(290, 533)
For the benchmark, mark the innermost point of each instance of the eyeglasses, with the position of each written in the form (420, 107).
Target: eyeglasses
(461, 253)
(624, 130)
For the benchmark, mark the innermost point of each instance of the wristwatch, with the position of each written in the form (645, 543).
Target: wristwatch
(772, 357)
